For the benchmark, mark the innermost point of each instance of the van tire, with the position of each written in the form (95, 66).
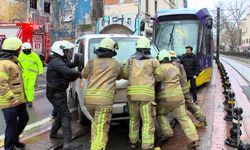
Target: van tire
(83, 120)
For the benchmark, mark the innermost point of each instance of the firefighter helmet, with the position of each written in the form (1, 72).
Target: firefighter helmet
(143, 43)
(108, 43)
(164, 54)
(59, 46)
(26, 45)
(12, 44)
(172, 53)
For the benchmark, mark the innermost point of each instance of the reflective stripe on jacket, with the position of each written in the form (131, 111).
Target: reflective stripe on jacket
(184, 83)
(170, 88)
(11, 85)
(101, 74)
(31, 64)
(142, 75)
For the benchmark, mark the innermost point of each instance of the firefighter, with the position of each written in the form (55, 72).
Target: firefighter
(31, 65)
(190, 105)
(171, 99)
(58, 77)
(12, 97)
(101, 73)
(142, 70)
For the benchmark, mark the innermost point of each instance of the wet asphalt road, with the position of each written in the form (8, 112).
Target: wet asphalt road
(40, 109)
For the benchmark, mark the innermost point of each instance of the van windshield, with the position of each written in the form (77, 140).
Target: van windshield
(126, 48)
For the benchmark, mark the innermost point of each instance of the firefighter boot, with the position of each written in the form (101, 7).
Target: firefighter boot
(72, 146)
(201, 124)
(134, 145)
(194, 144)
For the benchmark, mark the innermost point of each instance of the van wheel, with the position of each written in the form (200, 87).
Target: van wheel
(82, 118)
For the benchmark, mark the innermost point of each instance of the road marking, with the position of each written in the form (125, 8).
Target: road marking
(40, 91)
(28, 127)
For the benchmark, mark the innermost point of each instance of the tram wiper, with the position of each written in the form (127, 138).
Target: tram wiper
(171, 36)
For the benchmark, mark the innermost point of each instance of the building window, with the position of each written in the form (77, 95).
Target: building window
(247, 41)
(47, 7)
(33, 4)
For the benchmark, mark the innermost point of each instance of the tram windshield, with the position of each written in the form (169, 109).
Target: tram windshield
(175, 35)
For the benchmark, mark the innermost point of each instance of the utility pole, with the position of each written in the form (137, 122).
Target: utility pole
(218, 33)
(139, 17)
(156, 7)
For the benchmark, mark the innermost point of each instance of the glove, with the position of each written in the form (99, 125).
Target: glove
(14, 103)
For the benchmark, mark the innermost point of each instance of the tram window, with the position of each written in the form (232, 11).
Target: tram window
(206, 41)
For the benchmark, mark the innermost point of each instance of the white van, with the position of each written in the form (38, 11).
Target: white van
(86, 45)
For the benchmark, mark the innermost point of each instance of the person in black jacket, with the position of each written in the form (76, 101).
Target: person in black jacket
(192, 68)
(59, 75)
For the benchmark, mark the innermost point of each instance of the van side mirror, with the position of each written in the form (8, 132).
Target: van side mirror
(79, 61)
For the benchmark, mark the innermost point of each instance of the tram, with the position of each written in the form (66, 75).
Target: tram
(176, 28)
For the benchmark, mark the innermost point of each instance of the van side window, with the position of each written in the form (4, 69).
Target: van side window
(81, 47)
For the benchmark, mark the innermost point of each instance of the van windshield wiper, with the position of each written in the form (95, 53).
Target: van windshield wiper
(171, 37)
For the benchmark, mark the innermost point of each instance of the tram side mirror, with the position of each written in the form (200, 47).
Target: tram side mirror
(209, 23)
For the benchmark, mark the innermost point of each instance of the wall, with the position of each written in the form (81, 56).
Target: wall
(12, 9)
(246, 32)
(70, 19)
(121, 12)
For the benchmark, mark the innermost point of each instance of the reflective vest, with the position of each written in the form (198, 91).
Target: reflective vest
(184, 83)
(31, 64)
(142, 75)
(170, 89)
(11, 85)
(101, 74)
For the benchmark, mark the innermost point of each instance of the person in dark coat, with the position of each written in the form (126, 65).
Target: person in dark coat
(59, 75)
(192, 68)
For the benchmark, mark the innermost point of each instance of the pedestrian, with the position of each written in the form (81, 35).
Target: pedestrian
(58, 77)
(12, 96)
(192, 69)
(31, 65)
(142, 70)
(194, 109)
(170, 99)
(101, 73)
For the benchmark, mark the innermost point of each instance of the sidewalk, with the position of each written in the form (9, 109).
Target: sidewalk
(211, 101)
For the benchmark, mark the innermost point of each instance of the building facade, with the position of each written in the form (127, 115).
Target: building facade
(133, 16)
(245, 39)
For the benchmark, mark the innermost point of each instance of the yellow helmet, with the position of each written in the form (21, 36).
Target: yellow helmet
(144, 43)
(108, 43)
(12, 44)
(164, 54)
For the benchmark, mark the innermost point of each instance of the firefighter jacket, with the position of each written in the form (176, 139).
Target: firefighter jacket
(31, 64)
(184, 83)
(142, 74)
(101, 74)
(11, 84)
(170, 88)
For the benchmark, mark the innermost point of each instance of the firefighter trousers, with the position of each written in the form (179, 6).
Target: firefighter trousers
(29, 87)
(193, 108)
(100, 124)
(179, 112)
(145, 111)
